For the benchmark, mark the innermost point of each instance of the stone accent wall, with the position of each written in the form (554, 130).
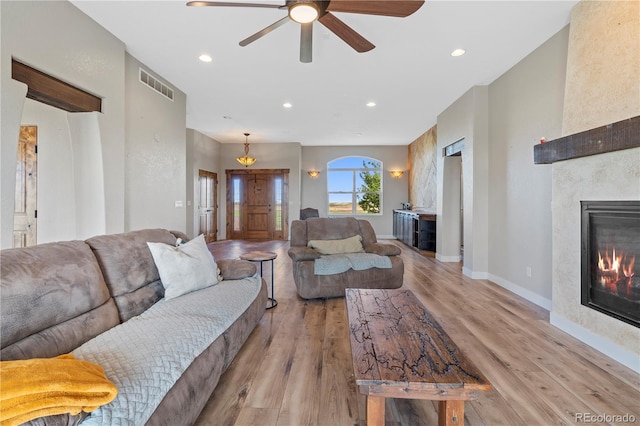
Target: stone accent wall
(422, 170)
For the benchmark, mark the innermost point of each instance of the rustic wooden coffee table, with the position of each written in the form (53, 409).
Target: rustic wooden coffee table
(400, 351)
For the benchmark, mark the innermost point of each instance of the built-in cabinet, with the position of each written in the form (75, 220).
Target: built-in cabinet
(415, 229)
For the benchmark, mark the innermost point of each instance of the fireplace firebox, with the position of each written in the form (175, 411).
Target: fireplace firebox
(611, 258)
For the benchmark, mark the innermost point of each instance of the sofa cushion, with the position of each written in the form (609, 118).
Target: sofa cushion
(129, 269)
(345, 245)
(185, 268)
(60, 289)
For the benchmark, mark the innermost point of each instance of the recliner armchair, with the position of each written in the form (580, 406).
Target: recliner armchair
(311, 286)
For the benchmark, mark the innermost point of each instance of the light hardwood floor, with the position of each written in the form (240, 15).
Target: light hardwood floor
(295, 369)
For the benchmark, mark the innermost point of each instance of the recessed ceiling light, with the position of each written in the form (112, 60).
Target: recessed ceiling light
(458, 52)
(205, 58)
(287, 105)
(371, 104)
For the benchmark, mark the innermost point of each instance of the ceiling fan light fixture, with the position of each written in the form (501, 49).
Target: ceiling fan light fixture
(246, 160)
(303, 13)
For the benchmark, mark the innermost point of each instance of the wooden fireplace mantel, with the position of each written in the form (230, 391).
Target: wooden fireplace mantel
(623, 134)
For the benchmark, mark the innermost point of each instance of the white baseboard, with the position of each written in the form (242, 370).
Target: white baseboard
(532, 297)
(607, 347)
(442, 258)
(474, 274)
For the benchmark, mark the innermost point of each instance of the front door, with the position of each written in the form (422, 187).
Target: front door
(207, 205)
(25, 213)
(257, 203)
(258, 207)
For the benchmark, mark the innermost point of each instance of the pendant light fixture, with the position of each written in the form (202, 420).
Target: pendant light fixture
(246, 160)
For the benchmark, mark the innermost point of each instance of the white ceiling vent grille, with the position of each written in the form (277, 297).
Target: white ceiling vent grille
(151, 81)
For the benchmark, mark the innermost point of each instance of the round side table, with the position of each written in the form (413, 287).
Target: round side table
(263, 256)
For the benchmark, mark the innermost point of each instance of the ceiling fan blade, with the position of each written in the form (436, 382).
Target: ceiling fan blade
(306, 42)
(230, 4)
(264, 31)
(346, 33)
(397, 8)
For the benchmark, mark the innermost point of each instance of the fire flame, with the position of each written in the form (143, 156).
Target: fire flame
(614, 269)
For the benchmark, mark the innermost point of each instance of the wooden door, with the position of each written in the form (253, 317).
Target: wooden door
(257, 211)
(25, 213)
(257, 203)
(208, 205)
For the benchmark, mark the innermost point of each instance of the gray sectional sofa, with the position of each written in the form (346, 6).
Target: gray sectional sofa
(102, 300)
(312, 284)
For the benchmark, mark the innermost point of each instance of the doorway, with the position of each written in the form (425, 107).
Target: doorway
(257, 204)
(453, 200)
(208, 205)
(25, 211)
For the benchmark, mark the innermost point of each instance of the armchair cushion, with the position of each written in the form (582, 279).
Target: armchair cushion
(383, 249)
(344, 245)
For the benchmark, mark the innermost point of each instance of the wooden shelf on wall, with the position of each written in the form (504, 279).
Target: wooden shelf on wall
(617, 136)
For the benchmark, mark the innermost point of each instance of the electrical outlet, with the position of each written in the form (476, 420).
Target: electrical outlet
(528, 271)
(178, 203)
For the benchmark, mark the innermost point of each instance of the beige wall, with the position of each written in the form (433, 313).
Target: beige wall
(155, 165)
(203, 153)
(466, 119)
(127, 163)
(525, 104)
(603, 86)
(422, 170)
(395, 191)
(270, 156)
(89, 57)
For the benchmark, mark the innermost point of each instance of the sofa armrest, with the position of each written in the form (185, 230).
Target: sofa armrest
(234, 269)
(303, 253)
(178, 234)
(383, 249)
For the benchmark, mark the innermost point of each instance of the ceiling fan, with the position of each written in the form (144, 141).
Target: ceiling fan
(305, 12)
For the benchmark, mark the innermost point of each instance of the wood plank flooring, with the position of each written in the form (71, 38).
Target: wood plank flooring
(295, 368)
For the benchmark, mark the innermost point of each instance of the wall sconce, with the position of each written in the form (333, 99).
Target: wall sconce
(396, 173)
(313, 173)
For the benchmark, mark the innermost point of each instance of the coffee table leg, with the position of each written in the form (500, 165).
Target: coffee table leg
(451, 413)
(375, 410)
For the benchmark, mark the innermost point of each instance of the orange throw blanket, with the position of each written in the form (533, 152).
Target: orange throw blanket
(47, 386)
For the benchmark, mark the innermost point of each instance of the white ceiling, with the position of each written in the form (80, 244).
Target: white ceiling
(410, 74)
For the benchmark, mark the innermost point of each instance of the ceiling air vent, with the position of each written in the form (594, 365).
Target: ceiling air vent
(156, 84)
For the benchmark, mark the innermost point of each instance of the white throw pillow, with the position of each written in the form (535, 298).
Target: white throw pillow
(185, 268)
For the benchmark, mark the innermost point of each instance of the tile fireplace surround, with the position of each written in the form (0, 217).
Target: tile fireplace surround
(578, 174)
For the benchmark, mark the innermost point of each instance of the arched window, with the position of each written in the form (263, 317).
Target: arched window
(354, 186)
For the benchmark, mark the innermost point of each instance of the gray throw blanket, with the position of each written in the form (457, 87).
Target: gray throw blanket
(338, 263)
(147, 354)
